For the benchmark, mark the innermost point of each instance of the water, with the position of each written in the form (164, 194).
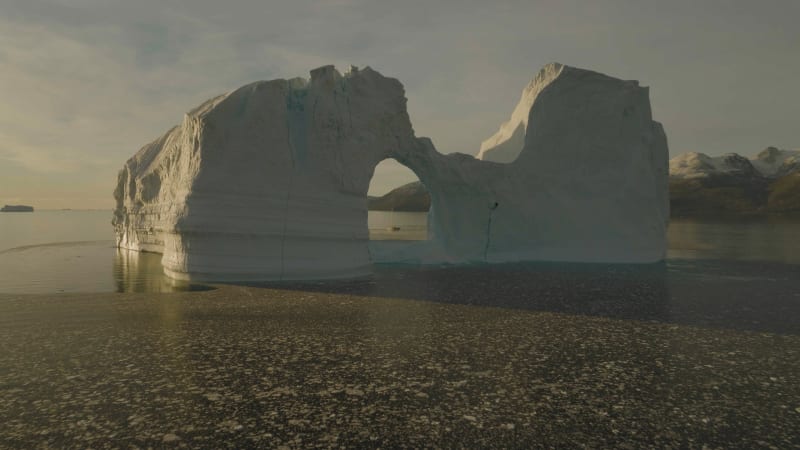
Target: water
(776, 240)
(404, 226)
(47, 227)
(73, 251)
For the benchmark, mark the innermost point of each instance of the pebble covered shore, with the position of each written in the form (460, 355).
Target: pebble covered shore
(240, 367)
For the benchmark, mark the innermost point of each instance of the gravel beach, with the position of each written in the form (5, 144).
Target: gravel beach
(273, 366)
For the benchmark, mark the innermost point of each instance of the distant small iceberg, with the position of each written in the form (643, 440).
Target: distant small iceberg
(16, 208)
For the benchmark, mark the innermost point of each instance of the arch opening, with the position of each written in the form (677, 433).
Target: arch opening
(398, 204)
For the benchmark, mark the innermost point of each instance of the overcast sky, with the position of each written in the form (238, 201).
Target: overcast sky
(85, 83)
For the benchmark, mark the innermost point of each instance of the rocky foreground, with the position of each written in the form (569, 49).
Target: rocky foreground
(318, 367)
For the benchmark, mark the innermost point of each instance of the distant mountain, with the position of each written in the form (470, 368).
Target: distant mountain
(769, 163)
(506, 144)
(731, 184)
(784, 194)
(408, 197)
(775, 163)
(695, 165)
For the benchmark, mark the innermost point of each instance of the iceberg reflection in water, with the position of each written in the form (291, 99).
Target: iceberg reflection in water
(83, 266)
(53, 267)
(142, 272)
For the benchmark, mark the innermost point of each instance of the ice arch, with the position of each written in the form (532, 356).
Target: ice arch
(398, 204)
(270, 181)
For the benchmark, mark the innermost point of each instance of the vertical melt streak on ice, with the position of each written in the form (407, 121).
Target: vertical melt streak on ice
(489, 229)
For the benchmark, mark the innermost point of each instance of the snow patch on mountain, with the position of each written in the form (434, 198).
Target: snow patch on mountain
(773, 162)
(769, 163)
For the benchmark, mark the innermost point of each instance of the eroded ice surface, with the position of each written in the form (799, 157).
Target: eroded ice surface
(270, 181)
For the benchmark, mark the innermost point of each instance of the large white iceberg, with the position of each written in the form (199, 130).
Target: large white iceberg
(269, 182)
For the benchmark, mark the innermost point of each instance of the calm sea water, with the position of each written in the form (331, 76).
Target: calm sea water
(72, 251)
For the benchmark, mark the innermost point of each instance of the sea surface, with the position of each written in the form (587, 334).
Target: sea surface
(73, 251)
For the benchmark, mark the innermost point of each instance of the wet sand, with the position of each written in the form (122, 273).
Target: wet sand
(241, 367)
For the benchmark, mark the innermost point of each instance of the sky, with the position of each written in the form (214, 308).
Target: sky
(85, 83)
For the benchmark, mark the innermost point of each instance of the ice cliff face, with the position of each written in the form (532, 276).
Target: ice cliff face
(270, 181)
(505, 145)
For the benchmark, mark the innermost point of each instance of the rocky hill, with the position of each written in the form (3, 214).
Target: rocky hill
(408, 197)
(731, 184)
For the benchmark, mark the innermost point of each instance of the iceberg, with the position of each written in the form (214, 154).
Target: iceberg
(505, 145)
(269, 182)
(16, 208)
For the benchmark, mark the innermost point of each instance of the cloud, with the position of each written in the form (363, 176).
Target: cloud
(85, 83)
